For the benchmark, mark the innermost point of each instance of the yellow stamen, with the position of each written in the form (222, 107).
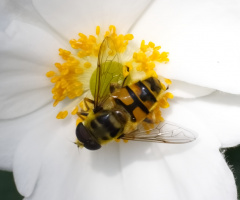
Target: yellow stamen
(163, 103)
(128, 37)
(82, 105)
(168, 81)
(117, 140)
(97, 30)
(55, 79)
(62, 114)
(75, 110)
(55, 103)
(50, 74)
(112, 29)
(87, 64)
(169, 95)
(151, 44)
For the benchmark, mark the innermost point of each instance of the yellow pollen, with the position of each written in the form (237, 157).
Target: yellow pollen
(117, 140)
(157, 48)
(75, 110)
(50, 74)
(87, 64)
(62, 114)
(151, 44)
(97, 30)
(82, 36)
(81, 104)
(158, 115)
(79, 70)
(143, 47)
(128, 37)
(66, 79)
(112, 29)
(55, 103)
(148, 57)
(168, 81)
(54, 79)
(64, 54)
(107, 33)
(169, 95)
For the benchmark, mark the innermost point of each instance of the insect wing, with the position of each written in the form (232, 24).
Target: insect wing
(109, 70)
(165, 132)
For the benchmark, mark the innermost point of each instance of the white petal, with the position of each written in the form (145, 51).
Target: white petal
(21, 10)
(29, 43)
(202, 38)
(176, 172)
(71, 17)
(42, 126)
(23, 103)
(133, 170)
(142, 171)
(5, 16)
(74, 173)
(27, 53)
(221, 113)
(186, 90)
(13, 131)
(10, 136)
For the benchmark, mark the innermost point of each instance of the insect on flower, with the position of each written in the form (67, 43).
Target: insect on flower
(120, 108)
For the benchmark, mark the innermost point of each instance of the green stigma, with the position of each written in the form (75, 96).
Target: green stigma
(111, 72)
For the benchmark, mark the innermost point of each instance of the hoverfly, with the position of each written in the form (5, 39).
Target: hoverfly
(119, 108)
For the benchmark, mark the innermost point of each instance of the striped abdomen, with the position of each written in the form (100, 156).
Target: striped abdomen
(139, 98)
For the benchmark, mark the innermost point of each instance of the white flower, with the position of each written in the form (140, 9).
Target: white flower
(203, 40)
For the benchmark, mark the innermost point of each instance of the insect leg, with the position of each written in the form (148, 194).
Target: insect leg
(148, 120)
(82, 115)
(86, 101)
(124, 81)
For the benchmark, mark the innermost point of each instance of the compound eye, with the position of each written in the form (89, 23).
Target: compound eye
(84, 136)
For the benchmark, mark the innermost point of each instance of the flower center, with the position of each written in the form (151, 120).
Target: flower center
(77, 73)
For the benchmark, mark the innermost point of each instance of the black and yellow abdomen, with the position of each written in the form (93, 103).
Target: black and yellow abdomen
(140, 98)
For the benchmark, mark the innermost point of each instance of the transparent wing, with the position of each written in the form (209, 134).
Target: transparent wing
(109, 70)
(165, 132)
